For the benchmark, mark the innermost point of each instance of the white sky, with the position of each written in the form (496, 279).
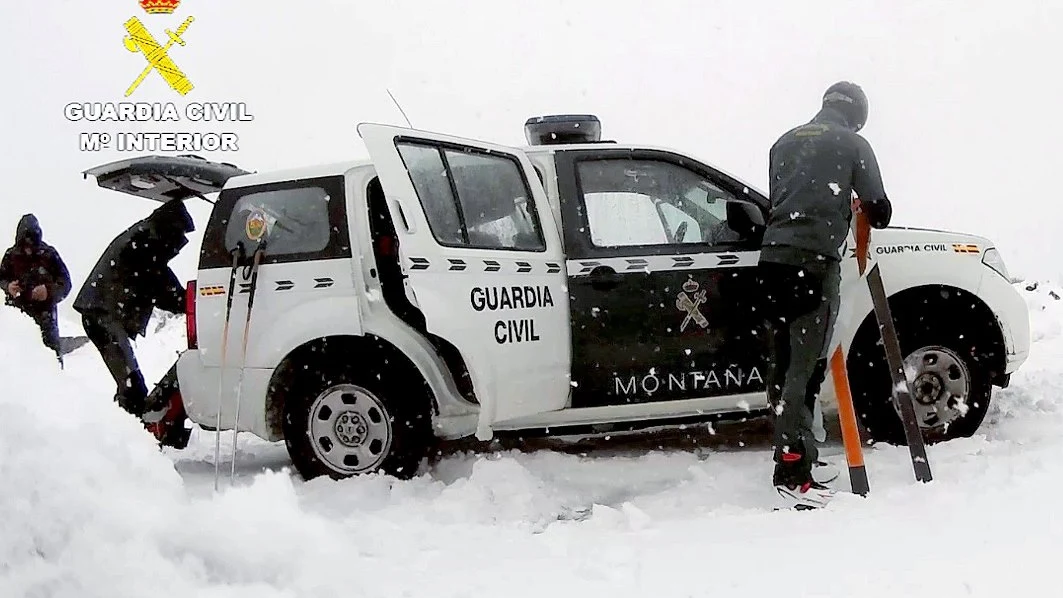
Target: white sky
(964, 95)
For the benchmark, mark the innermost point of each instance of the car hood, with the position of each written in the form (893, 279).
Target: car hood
(900, 235)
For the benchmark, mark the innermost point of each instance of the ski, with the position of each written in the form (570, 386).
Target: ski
(253, 275)
(237, 253)
(901, 392)
(854, 454)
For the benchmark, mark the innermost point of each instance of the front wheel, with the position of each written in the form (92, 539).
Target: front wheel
(950, 390)
(341, 423)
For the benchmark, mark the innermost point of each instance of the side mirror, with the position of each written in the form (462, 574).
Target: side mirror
(746, 219)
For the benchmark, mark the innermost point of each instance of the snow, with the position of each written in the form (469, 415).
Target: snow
(92, 508)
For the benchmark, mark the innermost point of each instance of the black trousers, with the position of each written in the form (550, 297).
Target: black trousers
(48, 321)
(115, 348)
(801, 307)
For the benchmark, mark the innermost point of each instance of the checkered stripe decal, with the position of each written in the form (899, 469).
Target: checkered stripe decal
(491, 266)
(652, 263)
(664, 263)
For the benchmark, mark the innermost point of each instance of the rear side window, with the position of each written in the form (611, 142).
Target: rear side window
(296, 220)
(473, 199)
(303, 220)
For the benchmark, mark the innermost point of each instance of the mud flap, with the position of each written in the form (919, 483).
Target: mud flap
(164, 415)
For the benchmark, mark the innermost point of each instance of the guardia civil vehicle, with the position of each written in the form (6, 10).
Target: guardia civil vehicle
(451, 288)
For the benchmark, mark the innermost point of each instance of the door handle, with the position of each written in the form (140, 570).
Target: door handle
(406, 224)
(604, 278)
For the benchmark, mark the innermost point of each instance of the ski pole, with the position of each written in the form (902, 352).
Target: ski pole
(237, 251)
(243, 353)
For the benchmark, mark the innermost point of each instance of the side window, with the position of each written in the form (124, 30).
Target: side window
(303, 219)
(473, 199)
(621, 219)
(295, 220)
(651, 202)
(685, 229)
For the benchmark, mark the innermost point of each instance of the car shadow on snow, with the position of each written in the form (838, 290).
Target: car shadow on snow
(450, 461)
(722, 436)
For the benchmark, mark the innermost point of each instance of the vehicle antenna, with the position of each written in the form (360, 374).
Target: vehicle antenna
(400, 108)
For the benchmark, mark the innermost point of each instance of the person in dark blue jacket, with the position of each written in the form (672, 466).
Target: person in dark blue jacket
(35, 279)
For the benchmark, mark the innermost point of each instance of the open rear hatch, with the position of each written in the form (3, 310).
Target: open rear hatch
(162, 178)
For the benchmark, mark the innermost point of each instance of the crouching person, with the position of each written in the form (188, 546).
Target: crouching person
(35, 280)
(129, 281)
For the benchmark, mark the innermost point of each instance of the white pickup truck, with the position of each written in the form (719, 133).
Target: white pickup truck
(449, 287)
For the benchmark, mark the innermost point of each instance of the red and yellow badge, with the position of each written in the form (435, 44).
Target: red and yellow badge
(255, 227)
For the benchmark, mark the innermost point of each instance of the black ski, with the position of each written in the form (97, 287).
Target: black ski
(902, 395)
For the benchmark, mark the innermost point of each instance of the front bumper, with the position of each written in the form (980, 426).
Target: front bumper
(1013, 317)
(200, 390)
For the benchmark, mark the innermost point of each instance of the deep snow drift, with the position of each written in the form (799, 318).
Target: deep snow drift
(90, 507)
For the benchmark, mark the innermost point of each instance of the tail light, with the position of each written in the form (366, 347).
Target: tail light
(190, 315)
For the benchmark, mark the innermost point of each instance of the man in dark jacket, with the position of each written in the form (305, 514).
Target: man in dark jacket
(35, 279)
(815, 169)
(129, 281)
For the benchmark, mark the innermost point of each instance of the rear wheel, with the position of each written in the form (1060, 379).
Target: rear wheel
(340, 421)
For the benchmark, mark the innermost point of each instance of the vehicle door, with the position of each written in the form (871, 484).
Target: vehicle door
(483, 261)
(662, 255)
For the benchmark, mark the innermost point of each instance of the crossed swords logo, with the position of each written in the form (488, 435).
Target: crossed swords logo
(141, 40)
(691, 304)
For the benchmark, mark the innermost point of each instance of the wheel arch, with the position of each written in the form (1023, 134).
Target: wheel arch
(369, 348)
(927, 315)
(965, 313)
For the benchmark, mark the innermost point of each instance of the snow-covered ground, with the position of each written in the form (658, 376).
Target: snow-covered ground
(964, 119)
(90, 507)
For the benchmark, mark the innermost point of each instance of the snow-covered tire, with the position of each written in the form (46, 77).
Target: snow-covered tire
(942, 356)
(342, 420)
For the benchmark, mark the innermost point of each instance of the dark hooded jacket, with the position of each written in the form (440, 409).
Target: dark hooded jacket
(133, 277)
(41, 267)
(814, 170)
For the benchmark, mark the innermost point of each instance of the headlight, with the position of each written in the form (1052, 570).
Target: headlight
(993, 259)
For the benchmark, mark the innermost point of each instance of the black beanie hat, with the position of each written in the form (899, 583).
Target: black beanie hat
(847, 97)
